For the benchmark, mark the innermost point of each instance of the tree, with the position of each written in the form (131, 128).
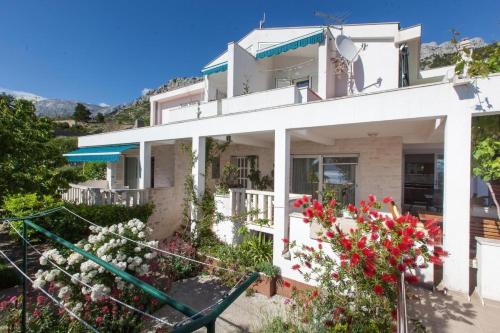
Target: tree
(31, 159)
(81, 113)
(99, 118)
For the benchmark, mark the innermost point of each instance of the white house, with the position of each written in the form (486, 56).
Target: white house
(288, 101)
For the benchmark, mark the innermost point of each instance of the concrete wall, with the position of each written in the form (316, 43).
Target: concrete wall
(246, 71)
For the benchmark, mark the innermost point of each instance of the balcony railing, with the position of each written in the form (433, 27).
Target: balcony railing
(254, 205)
(99, 196)
(254, 101)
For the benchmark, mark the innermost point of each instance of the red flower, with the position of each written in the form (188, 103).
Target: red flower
(332, 203)
(389, 278)
(387, 199)
(395, 251)
(360, 219)
(305, 199)
(306, 220)
(298, 203)
(285, 240)
(378, 289)
(286, 284)
(408, 231)
(135, 298)
(401, 267)
(412, 278)
(368, 252)
(362, 242)
(99, 320)
(372, 198)
(329, 234)
(369, 270)
(435, 260)
(420, 234)
(335, 275)
(308, 264)
(296, 267)
(354, 259)
(374, 236)
(314, 294)
(390, 224)
(393, 261)
(346, 244)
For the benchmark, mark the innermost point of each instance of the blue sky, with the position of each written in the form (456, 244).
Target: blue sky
(108, 51)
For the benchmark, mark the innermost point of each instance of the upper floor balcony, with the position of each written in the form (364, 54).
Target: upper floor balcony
(248, 102)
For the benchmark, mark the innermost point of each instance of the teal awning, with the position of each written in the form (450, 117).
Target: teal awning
(313, 38)
(222, 67)
(99, 153)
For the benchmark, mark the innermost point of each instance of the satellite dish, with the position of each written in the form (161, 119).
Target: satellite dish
(346, 48)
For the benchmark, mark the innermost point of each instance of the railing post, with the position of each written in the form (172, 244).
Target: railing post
(25, 271)
(401, 308)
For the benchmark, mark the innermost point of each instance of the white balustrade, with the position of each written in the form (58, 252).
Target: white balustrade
(254, 205)
(79, 194)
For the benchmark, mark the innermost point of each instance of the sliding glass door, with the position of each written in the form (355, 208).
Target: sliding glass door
(339, 176)
(315, 174)
(305, 175)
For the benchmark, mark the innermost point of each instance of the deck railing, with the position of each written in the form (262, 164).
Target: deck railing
(253, 205)
(80, 194)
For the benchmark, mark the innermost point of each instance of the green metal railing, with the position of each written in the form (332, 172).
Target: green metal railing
(197, 319)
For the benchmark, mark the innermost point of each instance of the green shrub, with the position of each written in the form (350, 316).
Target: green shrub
(63, 223)
(9, 276)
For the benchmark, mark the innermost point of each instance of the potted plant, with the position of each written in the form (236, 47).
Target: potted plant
(266, 283)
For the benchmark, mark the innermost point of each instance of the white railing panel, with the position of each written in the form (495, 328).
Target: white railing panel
(98, 196)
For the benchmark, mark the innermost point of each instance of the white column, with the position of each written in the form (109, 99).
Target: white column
(326, 79)
(198, 172)
(144, 165)
(281, 192)
(456, 200)
(230, 70)
(110, 174)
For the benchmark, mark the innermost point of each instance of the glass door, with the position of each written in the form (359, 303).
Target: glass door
(305, 175)
(339, 176)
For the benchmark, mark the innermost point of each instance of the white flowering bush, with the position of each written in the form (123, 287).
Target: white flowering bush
(91, 301)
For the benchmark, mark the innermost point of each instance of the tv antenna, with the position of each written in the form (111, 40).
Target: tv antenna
(262, 21)
(334, 20)
(349, 53)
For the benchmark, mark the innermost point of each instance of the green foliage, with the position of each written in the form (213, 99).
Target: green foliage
(268, 269)
(486, 147)
(260, 183)
(255, 248)
(229, 179)
(100, 118)
(94, 170)
(128, 115)
(30, 158)
(486, 159)
(9, 276)
(81, 113)
(65, 224)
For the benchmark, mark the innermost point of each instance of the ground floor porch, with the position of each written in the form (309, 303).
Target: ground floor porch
(423, 164)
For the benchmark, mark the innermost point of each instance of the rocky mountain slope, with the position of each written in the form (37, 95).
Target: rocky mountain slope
(60, 108)
(434, 55)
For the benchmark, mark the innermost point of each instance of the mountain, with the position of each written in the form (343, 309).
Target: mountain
(433, 48)
(60, 108)
(22, 95)
(434, 55)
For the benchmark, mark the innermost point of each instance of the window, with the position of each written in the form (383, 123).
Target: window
(244, 165)
(339, 176)
(304, 82)
(216, 167)
(314, 174)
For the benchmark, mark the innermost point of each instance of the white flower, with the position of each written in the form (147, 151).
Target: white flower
(74, 258)
(98, 292)
(141, 234)
(87, 247)
(43, 260)
(38, 283)
(137, 249)
(63, 292)
(78, 307)
(75, 277)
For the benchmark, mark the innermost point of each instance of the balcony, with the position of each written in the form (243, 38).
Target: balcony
(253, 207)
(254, 101)
(81, 194)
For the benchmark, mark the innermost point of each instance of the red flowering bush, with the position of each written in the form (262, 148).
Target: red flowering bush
(358, 283)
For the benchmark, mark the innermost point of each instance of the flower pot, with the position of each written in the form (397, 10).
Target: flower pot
(265, 285)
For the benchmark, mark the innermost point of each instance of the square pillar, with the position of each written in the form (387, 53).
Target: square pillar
(281, 194)
(111, 174)
(326, 75)
(198, 172)
(456, 200)
(144, 165)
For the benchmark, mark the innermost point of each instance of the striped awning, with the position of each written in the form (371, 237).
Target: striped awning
(222, 67)
(98, 153)
(312, 38)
